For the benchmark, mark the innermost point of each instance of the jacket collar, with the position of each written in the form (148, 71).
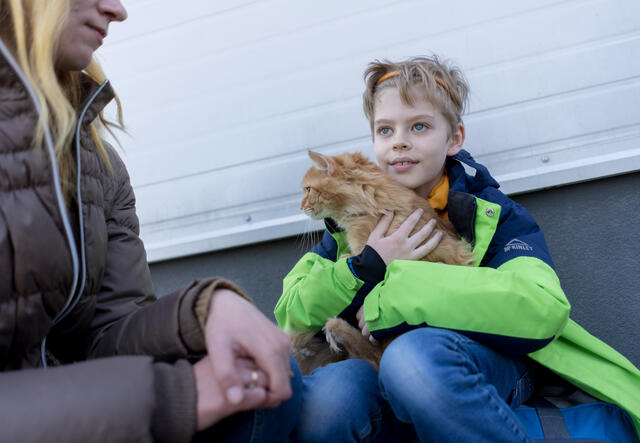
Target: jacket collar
(462, 204)
(462, 214)
(462, 182)
(96, 103)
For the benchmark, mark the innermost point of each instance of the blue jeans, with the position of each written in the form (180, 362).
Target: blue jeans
(260, 425)
(433, 385)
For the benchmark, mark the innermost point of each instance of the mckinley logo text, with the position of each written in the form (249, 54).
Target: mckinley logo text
(517, 245)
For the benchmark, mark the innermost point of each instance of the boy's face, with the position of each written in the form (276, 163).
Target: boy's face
(411, 143)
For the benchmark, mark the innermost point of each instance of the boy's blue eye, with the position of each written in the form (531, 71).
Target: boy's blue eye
(419, 127)
(384, 131)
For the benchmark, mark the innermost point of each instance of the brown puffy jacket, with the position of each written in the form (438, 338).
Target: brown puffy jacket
(143, 390)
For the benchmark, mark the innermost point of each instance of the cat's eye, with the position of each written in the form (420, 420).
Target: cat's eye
(307, 189)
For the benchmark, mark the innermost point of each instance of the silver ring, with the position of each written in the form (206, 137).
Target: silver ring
(253, 382)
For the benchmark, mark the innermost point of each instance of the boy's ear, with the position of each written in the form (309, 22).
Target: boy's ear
(456, 140)
(322, 162)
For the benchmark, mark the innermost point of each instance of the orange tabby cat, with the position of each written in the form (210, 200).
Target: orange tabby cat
(355, 193)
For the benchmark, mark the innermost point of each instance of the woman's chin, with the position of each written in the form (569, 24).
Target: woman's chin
(76, 61)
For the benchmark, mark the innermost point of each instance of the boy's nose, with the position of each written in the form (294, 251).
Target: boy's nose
(400, 145)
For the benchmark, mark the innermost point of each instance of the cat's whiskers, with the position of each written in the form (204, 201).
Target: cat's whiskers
(308, 238)
(314, 237)
(301, 241)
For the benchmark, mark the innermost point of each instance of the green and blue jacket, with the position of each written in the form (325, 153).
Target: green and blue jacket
(511, 300)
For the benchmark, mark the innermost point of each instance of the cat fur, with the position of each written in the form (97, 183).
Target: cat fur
(355, 193)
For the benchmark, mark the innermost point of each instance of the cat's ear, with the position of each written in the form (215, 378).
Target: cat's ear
(322, 162)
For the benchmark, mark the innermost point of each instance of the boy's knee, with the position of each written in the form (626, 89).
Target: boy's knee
(337, 400)
(342, 383)
(415, 363)
(420, 346)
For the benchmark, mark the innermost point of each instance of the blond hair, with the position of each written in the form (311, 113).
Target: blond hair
(442, 83)
(32, 29)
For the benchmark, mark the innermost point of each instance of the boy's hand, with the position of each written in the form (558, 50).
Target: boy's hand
(237, 329)
(362, 324)
(399, 245)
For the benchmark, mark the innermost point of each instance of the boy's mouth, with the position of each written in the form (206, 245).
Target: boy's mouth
(402, 164)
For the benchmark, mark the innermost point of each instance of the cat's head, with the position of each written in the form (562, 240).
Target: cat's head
(339, 185)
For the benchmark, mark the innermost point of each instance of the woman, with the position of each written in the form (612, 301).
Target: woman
(75, 284)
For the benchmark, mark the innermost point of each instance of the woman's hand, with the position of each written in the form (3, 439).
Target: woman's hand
(401, 246)
(237, 329)
(213, 405)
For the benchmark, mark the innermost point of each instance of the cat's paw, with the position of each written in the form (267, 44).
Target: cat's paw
(332, 333)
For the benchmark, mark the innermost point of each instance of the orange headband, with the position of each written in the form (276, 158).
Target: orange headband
(438, 81)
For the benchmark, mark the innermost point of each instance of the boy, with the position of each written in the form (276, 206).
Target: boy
(471, 336)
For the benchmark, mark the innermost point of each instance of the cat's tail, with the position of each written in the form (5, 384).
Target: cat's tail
(344, 338)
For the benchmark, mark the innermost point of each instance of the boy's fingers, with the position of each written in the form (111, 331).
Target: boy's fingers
(383, 224)
(365, 331)
(429, 246)
(360, 317)
(424, 232)
(407, 226)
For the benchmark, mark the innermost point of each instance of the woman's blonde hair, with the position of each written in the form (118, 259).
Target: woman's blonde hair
(32, 29)
(443, 84)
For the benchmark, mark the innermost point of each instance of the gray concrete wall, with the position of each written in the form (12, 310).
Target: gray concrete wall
(593, 232)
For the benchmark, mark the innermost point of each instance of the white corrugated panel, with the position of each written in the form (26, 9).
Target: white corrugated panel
(222, 99)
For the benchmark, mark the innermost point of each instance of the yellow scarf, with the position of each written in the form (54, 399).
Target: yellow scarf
(439, 196)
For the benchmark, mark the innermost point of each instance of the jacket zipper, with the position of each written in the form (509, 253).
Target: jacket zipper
(74, 296)
(83, 266)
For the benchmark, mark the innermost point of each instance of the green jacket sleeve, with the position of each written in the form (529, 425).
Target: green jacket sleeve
(517, 307)
(315, 289)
